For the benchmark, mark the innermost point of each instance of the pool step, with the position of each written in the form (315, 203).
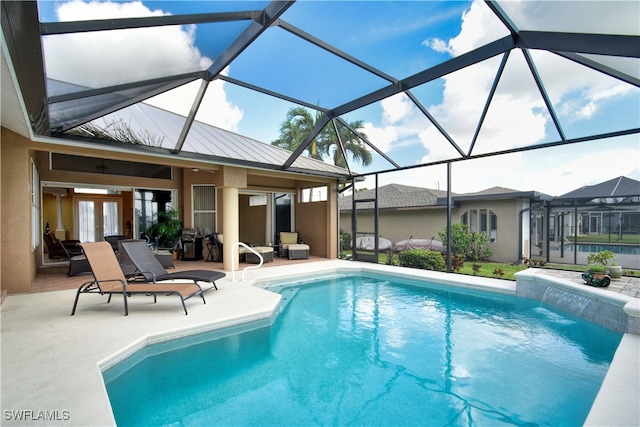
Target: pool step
(287, 296)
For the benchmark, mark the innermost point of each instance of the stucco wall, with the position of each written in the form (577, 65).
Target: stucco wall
(311, 225)
(18, 270)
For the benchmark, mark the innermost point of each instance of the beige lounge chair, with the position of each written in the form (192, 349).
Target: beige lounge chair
(109, 279)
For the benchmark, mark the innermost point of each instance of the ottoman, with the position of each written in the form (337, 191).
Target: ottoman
(298, 251)
(265, 251)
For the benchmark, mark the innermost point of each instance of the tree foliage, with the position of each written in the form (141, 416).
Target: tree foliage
(466, 243)
(299, 123)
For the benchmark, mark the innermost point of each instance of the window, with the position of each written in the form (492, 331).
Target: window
(313, 194)
(203, 199)
(35, 206)
(493, 227)
(473, 220)
(483, 221)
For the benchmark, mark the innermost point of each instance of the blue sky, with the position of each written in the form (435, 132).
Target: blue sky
(399, 38)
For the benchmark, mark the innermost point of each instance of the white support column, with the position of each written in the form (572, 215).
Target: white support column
(231, 224)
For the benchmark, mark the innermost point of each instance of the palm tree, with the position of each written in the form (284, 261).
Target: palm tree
(353, 145)
(300, 122)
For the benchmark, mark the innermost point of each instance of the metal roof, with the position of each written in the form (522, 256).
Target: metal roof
(219, 145)
(344, 73)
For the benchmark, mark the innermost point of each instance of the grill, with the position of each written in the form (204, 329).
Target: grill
(191, 244)
(189, 235)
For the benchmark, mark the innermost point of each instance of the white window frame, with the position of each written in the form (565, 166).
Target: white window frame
(213, 211)
(317, 193)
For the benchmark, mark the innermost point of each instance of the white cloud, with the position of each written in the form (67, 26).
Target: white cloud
(214, 109)
(554, 171)
(125, 56)
(381, 137)
(438, 45)
(518, 116)
(396, 109)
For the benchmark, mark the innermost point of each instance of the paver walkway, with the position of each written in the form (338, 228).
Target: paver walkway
(626, 285)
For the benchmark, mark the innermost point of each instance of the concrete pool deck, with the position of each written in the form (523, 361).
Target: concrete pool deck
(50, 360)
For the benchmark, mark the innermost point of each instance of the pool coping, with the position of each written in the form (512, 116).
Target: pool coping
(52, 362)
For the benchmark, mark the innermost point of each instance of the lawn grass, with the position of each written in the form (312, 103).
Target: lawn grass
(492, 269)
(627, 239)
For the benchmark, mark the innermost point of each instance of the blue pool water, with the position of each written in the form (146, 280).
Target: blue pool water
(374, 351)
(596, 247)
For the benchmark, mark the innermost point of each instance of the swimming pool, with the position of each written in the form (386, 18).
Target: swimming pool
(618, 249)
(371, 350)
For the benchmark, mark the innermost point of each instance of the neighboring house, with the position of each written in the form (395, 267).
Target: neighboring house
(609, 210)
(406, 211)
(518, 223)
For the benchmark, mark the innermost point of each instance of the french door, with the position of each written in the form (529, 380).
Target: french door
(95, 218)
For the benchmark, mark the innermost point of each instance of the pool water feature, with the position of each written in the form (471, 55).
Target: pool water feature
(364, 350)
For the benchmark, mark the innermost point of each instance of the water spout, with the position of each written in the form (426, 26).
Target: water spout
(567, 301)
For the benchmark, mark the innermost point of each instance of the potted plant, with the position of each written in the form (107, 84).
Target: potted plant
(167, 230)
(600, 261)
(615, 270)
(598, 270)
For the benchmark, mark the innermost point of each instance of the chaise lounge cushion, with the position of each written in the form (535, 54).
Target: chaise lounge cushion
(265, 251)
(298, 251)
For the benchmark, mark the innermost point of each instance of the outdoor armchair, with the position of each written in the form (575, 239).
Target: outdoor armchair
(61, 248)
(290, 246)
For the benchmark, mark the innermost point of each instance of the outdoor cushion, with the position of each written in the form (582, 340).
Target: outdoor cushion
(287, 238)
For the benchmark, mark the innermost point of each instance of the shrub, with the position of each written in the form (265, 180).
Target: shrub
(460, 238)
(478, 247)
(423, 259)
(476, 268)
(457, 262)
(470, 245)
(345, 240)
(601, 258)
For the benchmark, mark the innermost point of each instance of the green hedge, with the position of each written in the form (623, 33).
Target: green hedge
(424, 259)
